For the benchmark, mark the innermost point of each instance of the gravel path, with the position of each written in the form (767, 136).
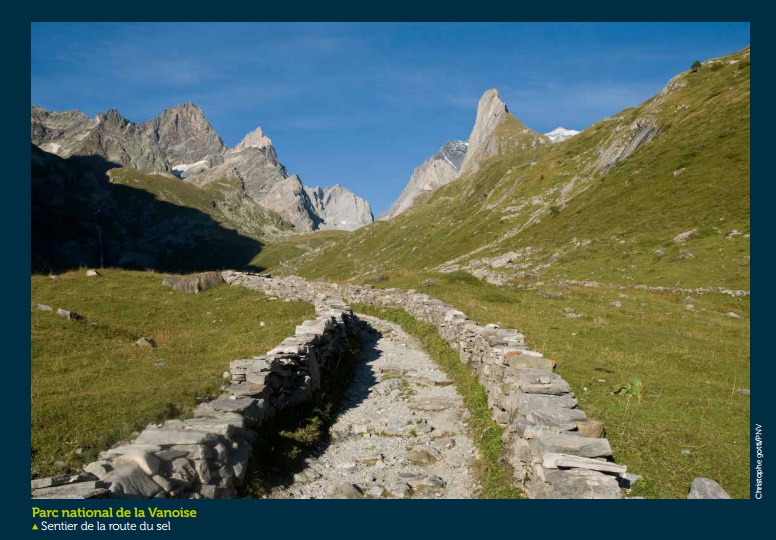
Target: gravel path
(400, 433)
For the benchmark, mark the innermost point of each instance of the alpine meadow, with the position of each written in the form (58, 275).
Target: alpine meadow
(537, 315)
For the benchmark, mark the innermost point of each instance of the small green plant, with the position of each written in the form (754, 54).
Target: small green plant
(633, 388)
(695, 66)
(554, 210)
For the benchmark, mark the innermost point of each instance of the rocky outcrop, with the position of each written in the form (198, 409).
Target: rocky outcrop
(289, 199)
(495, 132)
(55, 131)
(626, 141)
(339, 208)
(265, 180)
(491, 111)
(108, 136)
(185, 136)
(254, 139)
(438, 170)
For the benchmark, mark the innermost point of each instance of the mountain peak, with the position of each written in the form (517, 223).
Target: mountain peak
(188, 106)
(491, 111)
(113, 116)
(184, 134)
(339, 208)
(491, 100)
(255, 139)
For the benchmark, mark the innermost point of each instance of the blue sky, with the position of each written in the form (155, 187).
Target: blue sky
(362, 104)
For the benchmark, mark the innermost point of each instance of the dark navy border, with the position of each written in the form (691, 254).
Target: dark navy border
(434, 519)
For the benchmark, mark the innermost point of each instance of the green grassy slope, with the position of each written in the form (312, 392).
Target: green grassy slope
(92, 388)
(84, 216)
(564, 213)
(566, 217)
(689, 422)
(287, 252)
(222, 200)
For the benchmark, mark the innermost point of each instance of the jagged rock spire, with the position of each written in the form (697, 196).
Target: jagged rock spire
(254, 139)
(491, 111)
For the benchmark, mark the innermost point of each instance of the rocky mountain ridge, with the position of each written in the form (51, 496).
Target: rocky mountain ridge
(336, 205)
(438, 170)
(495, 132)
(181, 142)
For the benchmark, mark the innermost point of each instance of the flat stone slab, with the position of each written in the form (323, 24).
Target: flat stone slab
(218, 406)
(560, 418)
(59, 480)
(556, 461)
(226, 425)
(544, 403)
(171, 437)
(541, 381)
(246, 389)
(130, 449)
(562, 443)
(706, 488)
(80, 490)
(580, 484)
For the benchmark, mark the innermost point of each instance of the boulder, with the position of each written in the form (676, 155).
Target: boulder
(67, 314)
(98, 468)
(590, 428)
(147, 462)
(130, 482)
(144, 342)
(706, 488)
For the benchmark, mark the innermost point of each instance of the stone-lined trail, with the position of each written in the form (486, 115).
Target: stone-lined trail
(400, 431)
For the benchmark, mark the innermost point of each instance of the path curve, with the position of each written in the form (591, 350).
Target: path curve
(400, 431)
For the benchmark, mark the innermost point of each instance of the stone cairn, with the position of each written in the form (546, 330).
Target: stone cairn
(555, 450)
(207, 456)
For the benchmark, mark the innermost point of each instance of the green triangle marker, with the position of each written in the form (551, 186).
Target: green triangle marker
(34, 527)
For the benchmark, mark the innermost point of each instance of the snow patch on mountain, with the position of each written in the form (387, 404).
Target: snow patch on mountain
(561, 134)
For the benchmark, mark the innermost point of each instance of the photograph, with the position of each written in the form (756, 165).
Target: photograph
(387, 260)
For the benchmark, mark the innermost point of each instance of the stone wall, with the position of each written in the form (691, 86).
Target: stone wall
(207, 456)
(555, 450)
